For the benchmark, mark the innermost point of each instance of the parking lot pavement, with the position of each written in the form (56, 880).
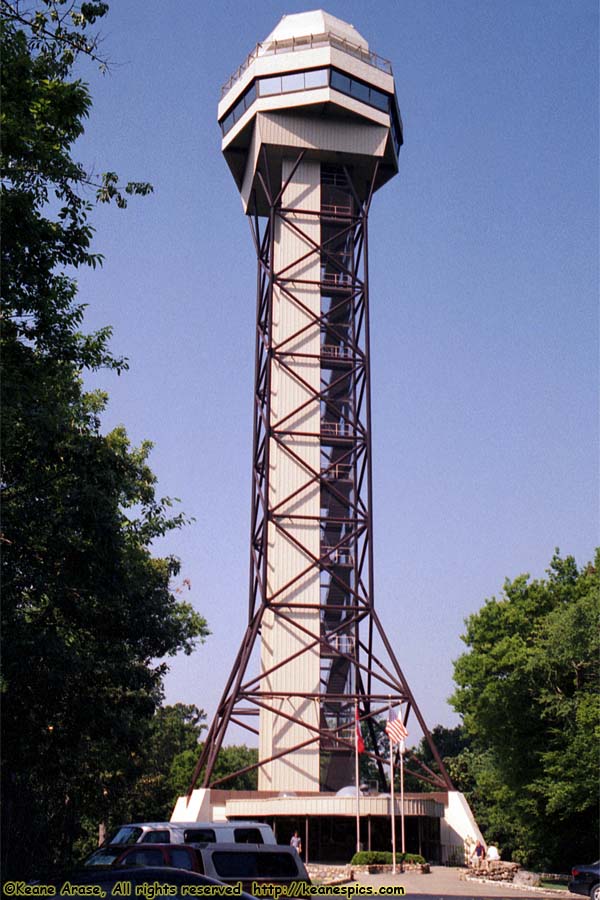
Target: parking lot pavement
(444, 881)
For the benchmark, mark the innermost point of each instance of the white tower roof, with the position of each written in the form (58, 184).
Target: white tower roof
(317, 21)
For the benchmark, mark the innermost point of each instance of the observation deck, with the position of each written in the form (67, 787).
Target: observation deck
(314, 85)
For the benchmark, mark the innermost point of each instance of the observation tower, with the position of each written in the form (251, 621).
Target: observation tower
(310, 131)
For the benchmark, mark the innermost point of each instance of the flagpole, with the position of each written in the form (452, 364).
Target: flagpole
(393, 804)
(356, 776)
(402, 749)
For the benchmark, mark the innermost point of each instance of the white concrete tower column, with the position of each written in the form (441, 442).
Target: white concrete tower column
(288, 477)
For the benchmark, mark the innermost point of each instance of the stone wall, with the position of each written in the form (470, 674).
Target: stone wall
(339, 874)
(495, 871)
(323, 874)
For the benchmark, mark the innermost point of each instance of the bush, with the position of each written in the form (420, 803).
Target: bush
(384, 858)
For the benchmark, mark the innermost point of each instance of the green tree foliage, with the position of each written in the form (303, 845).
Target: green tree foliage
(230, 759)
(174, 731)
(420, 760)
(146, 792)
(449, 742)
(87, 610)
(376, 742)
(161, 771)
(528, 691)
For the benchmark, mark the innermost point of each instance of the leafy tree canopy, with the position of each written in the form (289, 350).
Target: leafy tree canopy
(230, 759)
(450, 742)
(528, 691)
(421, 771)
(172, 732)
(88, 612)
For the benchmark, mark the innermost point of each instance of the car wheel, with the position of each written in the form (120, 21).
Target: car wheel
(595, 892)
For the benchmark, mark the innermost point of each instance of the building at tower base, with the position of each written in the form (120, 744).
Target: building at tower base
(439, 825)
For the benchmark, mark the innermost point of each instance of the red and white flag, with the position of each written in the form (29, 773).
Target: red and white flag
(394, 727)
(360, 744)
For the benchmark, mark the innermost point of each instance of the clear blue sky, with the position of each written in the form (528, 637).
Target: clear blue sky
(484, 297)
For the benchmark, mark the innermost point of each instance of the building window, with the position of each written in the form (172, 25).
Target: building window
(304, 81)
(361, 91)
(244, 103)
(316, 78)
(268, 86)
(294, 82)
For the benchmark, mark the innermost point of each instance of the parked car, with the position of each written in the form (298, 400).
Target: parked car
(110, 882)
(254, 864)
(241, 832)
(586, 880)
(178, 856)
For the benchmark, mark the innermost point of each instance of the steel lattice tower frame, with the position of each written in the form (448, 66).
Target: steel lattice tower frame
(314, 205)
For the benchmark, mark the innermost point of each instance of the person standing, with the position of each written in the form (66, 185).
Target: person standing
(492, 855)
(478, 854)
(296, 842)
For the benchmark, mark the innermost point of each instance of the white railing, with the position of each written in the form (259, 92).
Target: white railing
(334, 351)
(336, 429)
(340, 556)
(308, 42)
(336, 279)
(336, 209)
(341, 643)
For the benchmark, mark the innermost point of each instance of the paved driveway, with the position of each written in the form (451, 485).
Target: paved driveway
(449, 882)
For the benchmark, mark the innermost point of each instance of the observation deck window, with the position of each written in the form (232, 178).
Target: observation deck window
(396, 127)
(304, 81)
(316, 78)
(270, 86)
(236, 113)
(295, 81)
(361, 91)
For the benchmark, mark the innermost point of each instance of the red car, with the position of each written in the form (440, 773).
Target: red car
(178, 856)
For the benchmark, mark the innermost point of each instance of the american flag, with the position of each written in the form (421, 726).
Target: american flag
(394, 727)
(360, 744)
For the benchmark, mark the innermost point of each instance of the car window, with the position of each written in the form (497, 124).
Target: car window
(269, 864)
(181, 859)
(102, 857)
(229, 864)
(157, 837)
(143, 857)
(127, 834)
(236, 864)
(199, 835)
(247, 836)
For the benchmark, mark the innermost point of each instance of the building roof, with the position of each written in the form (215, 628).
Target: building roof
(316, 21)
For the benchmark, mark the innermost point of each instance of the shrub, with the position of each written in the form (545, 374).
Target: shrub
(384, 858)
